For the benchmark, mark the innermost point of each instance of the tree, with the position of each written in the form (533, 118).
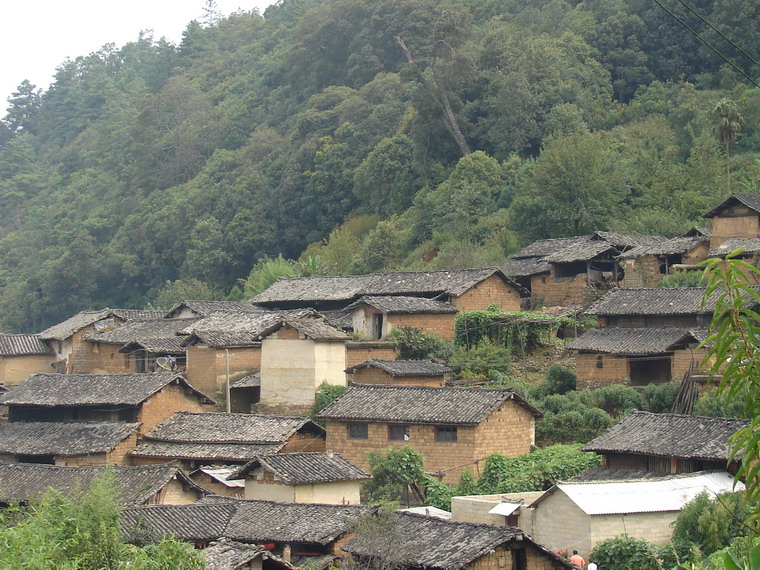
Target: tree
(394, 471)
(24, 108)
(626, 553)
(727, 124)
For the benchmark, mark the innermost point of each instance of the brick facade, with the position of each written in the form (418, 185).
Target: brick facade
(15, 369)
(358, 352)
(562, 291)
(372, 375)
(165, 403)
(490, 291)
(207, 366)
(100, 358)
(740, 222)
(440, 324)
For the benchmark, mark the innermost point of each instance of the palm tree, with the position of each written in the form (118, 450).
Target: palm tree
(727, 126)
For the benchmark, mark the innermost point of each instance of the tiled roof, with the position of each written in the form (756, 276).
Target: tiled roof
(616, 340)
(62, 438)
(206, 308)
(203, 451)
(248, 521)
(404, 367)
(526, 267)
(25, 481)
(669, 435)
(747, 245)
(22, 345)
(313, 329)
(428, 542)
(65, 329)
(231, 555)
(671, 246)
(402, 304)
(138, 314)
(412, 404)
(221, 475)
(346, 288)
(250, 381)
(169, 345)
(187, 427)
(655, 301)
(341, 319)
(610, 474)
(752, 201)
(92, 389)
(306, 467)
(544, 247)
(156, 335)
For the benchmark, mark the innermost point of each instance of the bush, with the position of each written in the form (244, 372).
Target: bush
(477, 362)
(719, 405)
(415, 344)
(659, 398)
(573, 426)
(325, 395)
(559, 380)
(616, 399)
(626, 553)
(711, 523)
(392, 471)
(683, 279)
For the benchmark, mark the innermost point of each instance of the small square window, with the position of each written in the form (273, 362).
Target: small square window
(358, 431)
(446, 434)
(398, 433)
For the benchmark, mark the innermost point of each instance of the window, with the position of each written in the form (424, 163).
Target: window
(599, 362)
(398, 433)
(447, 434)
(358, 431)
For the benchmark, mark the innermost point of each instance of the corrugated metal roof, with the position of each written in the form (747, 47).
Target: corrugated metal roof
(649, 496)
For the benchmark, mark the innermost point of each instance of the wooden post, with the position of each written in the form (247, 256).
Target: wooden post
(227, 372)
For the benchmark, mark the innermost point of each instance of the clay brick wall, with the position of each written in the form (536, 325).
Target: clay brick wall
(93, 460)
(303, 442)
(206, 366)
(614, 370)
(567, 291)
(377, 376)
(699, 253)
(99, 358)
(440, 324)
(490, 291)
(682, 361)
(170, 399)
(743, 223)
(358, 352)
(643, 271)
(501, 558)
(510, 431)
(15, 369)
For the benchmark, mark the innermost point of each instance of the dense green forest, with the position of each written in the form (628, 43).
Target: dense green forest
(359, 135)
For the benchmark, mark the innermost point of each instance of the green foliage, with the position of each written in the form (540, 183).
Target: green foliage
(626, 553)
(559, 380)
(478, 361)
(717, 404)
(184, 289)
(711, 523)
(682, 278)
(266, 272)
(392, 471)
(415, 344)
(325, 395)
(579, 424)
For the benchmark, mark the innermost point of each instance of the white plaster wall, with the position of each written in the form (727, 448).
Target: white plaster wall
(360, 322)
(334, 493)
(330, 363)
(287, 372)
(269, 491)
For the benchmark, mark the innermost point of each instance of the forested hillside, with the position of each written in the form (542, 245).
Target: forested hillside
(360, 135)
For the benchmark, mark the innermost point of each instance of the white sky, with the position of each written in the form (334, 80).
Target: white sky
(36, 36)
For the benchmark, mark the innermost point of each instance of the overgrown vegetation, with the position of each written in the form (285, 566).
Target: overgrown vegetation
(416, 344)
(324, 396)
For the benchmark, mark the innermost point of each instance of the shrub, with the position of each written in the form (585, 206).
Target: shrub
(626, 553)
(477, 362)
(325, 395)
(392, 471)
(616, 399)
(559, 380)
(573, 426)
(711, 523)
(683, 279)
(719, 405)
(659, 398)
(415, 344)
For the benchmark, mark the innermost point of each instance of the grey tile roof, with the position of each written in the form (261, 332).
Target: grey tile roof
(615, 340)
(752, 201)
(221, 475)
(526, 267)
(170, 345)
(654, 301)
(203, 451)
(313, 329)
(669, 435)
(428, 542)
(138, 314)
(62, 438)
(250, 381)
(22, 345)
(205, 308)
(404, 367)
(248, 521)
(135, 485)
(544, 247)
(156, 335)
(187, 427)
(748, 245)
(671, 246)
(93, 389)
(347, 288)
(419, 405)
(65, 329)
(231, 555)
(341, 319)
(305, 467)
(402, 304)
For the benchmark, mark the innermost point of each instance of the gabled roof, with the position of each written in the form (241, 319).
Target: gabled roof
(305, 467)
(419, 405)
(205, 308)
(231, 555)
(23, 345)
(428, 542)
(156, 335)
(93, 389)
(526, 267)
(617, 340)
(647, 496)
(250, 381)
(169, 450)
(751, 201)
(404, 367)
(655, 301)
(544, 247)
(247, 521)
(65, 329)
(402, 304)
(312, 329)
(62, 438)
(347, 288)
(601, 242)
(669, 435)
(673, 246)
(136, 485)
(221, 475)
(138, 314)
(747, 245)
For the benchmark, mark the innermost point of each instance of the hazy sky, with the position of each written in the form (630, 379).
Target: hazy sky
(38, 35)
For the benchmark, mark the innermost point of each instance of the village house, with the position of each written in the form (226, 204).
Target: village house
(309, 477)
(417, 541)
(22, 355)
(400, 373)
(579, 515)
(150, 485)
(193, 308)
(231, 555)
(735, 219)
(309, 533)
(67, 337)
(452, 428)
(668, 443)
(374, 317)
(245, 393)
(198, 440)
(216, 479)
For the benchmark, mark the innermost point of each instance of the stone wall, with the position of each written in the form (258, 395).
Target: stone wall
(490, 291)
(15, 369)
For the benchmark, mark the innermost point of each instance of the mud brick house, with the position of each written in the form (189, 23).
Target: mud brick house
(67, 337)
(245, 392)
(400, 373)
(580, 515)
(567, 271)
(736, 218)
(427, 542)
(22, 355)
(68, 443)
(144, 398)
(310, 532)
(374, 317)
(464, 289)
(216, 479)
(231, 555)
(322, 477)
(134, 347)
(216, 438)
(453, 428)
(190, 308)
(155, 484)
(668, 443)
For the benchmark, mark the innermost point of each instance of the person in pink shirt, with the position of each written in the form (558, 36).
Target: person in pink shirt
(577, 559)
